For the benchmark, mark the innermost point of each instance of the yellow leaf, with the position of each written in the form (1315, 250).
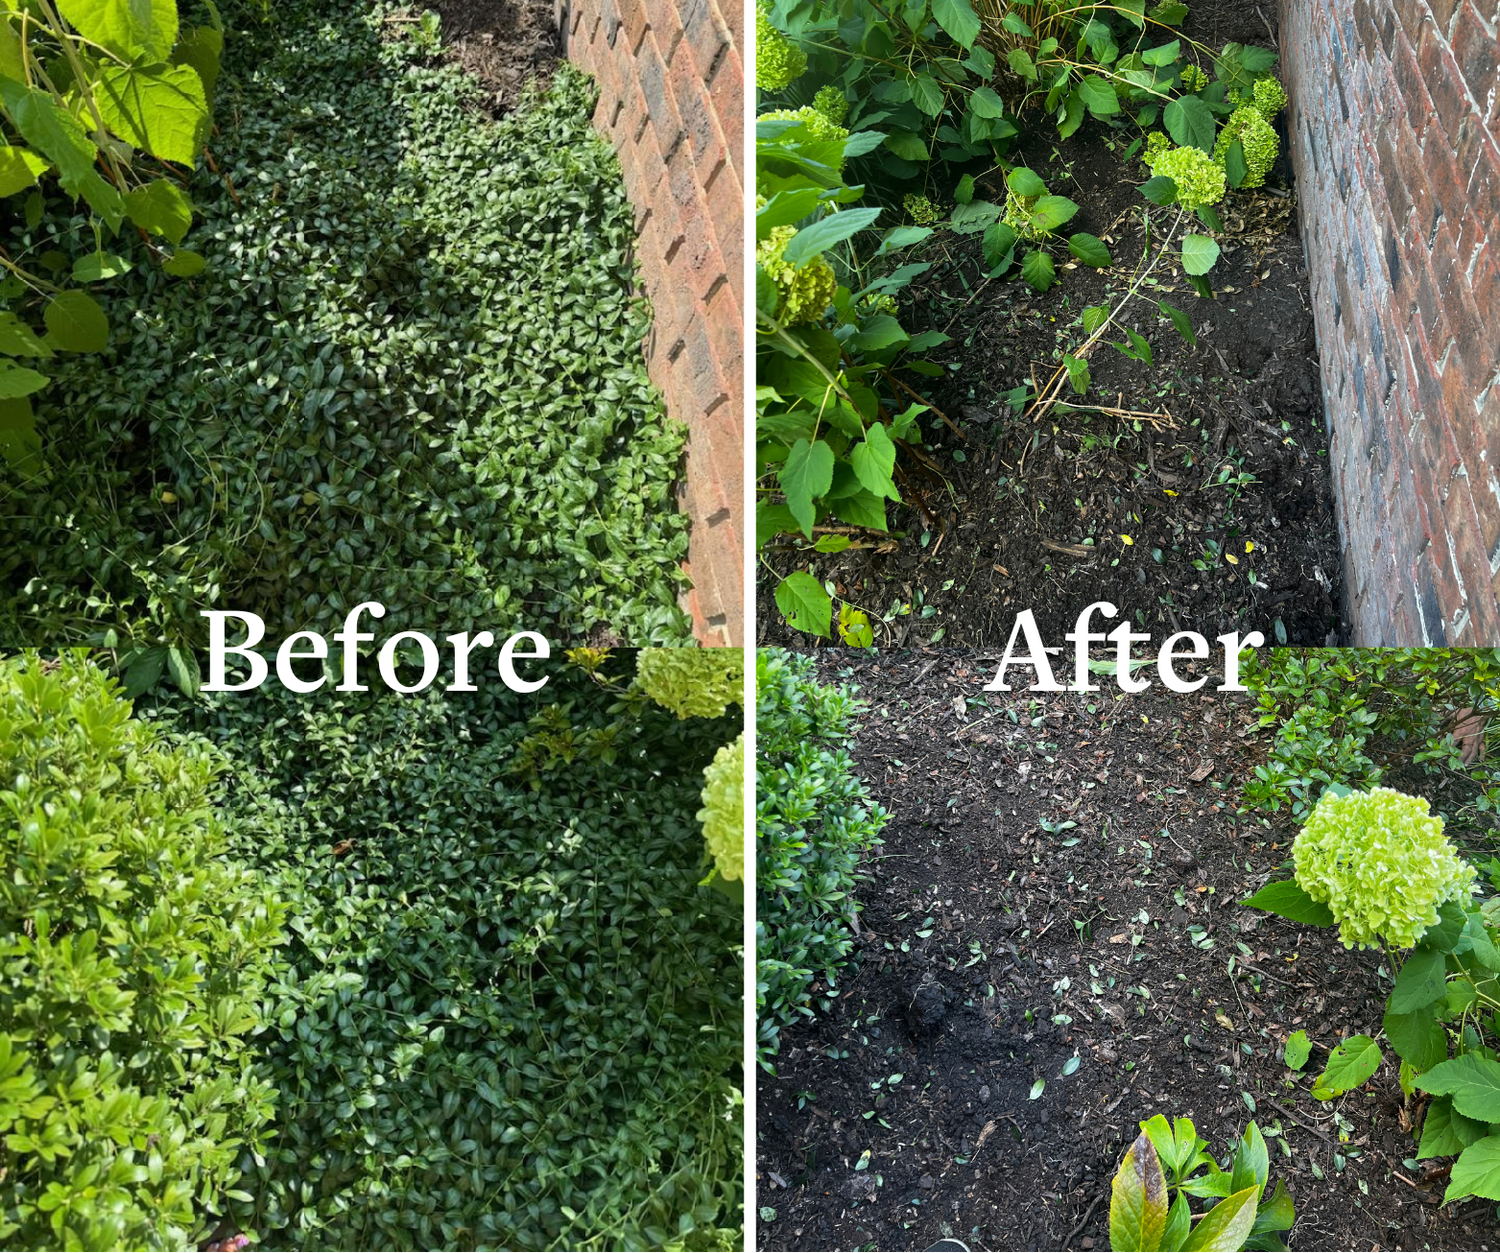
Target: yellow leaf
(1126, 539)
(1249, 547)
(1223, 1021)
(1231, 559)
(1169, 491)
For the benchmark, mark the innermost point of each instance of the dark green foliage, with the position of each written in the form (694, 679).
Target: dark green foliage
(814, 820)
(509, 1016)
(410, 373)
(133, 952)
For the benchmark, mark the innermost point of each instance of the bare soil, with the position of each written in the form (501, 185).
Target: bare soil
(994, 950)
(503, 43)
(1053, 511)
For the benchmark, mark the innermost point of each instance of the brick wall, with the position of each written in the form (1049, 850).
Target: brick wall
(1394, 124)
(671, 79)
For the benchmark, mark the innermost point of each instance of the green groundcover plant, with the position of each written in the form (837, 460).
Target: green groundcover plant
(135, 955)
(508, 1014)
(409, 372)
(814, 820)
(1377, 863)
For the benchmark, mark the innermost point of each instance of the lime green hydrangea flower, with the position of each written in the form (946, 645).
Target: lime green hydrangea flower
(1199, 178)
(1269, 98)
(692, 682)
(1380, 862)
(832, 104)
(1157, 142)
(817, 123)
(805, 293)
(920, 209)
(778, 61)
(1256, 137)
(723, 812)
(1193, 79)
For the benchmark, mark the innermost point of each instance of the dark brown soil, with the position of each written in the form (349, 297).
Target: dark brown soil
(503, 43)
(1033, 510)
(994, 951)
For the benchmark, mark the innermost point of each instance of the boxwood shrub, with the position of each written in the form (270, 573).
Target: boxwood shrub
(410, 373)
(134, 951)
(814, 821)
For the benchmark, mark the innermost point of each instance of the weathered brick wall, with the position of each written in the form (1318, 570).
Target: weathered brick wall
(1394, 124)
(671, 79)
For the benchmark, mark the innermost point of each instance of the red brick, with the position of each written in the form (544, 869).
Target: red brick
(1477, 52)
(1445, 86)
(690, 97)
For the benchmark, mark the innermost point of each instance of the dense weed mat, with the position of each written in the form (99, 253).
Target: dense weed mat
(507, 1015)
(411, 372)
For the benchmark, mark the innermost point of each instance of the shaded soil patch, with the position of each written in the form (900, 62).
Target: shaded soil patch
(994, 951)
(1215, 515)
(503, 43)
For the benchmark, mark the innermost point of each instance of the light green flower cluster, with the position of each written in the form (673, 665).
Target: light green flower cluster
(1257, 139)
(692, 682)
(818, 124)
(832, 104)
(1157, 142)
(1381, 864)
(777, 59)
(1199, 178)
(1193, 79)
(1018, 215)
(881, 302)
(920, 209)
(805, 293)
(723, 812)
(1269, 98)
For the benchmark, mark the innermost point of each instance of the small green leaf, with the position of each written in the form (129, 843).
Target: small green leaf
(98, 266)
(1185, 329)
(1199, 253)
(958, 18)
(999, 245)
(1351, 1064)
(873, 459)
(1420, 982)
(1159, 190)
(986, 103)
(1472, 1081)
(1298, 1049)
(76, 323)
(184, 263)
(1025, 182)
(805, 477)
(1235, 168)
(1090, 249)
(804, 603)
(1190, 123)
(1290, 901)
(1050, 212)
(1094, 316)
(1477, 1172)
(1037, 270)
(16, 381)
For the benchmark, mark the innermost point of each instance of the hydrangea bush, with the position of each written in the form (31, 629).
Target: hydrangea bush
(1380, 862)
(1199, 177)
(778, 61)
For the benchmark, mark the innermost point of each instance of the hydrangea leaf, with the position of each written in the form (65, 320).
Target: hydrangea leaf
(1472, 1081)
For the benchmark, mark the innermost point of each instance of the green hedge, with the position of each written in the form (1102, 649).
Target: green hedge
(814, 821)
(133, 954)
(509, 1015)
(411, 372)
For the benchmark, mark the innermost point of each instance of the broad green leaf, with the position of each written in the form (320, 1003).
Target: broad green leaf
(1225, 1227)
(143, 30)
(1277, 1214)
(1163, 54)
(1016, 24)
(19, 340)
(974, 216)
(1025, 182)
(1133, 11)
(1351, 1064)
(1290, 901)
(1179, 1221)
(1138, 1200)
(861, 508)
(805, 477)
(1078, 373)
(1472, 1081)
(902, 237)
(1252, 1161)
(1090, 249)
(76, 323)
(1021, 64)
(1420, 982)
(873, 460)
(19, 168)
(201, 47)
(1477, 1171)
(1476, 940)
(878, 332)
(161, 110)
(18, 438)
(986, 103)
(1037, 270)
(925, 340)
(1098, 96)
(957, 17)
(161, 209)
(183, 667)
(1235, 168)
(1050, 212)
(1444, 933)
(1170, 12)
(1094, 317)
(16, 381)
(964, 192)
(927, 95)
(771, 521)
(804, 603)
(1185, 329)
(906, 145)
(1445, 1131)
(1298, 1049)
(782, 209)
(1139, 348)
(831, 543)
(1190, 123)
(60, 137)
(1199, 253)
(1159, 189)
(827, 231)
(97, 266)
(1071, 114)
(184, 263)
(999, 244)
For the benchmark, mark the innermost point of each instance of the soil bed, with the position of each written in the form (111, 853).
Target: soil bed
(994, 951)
(503, 43)
(1005, 525)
